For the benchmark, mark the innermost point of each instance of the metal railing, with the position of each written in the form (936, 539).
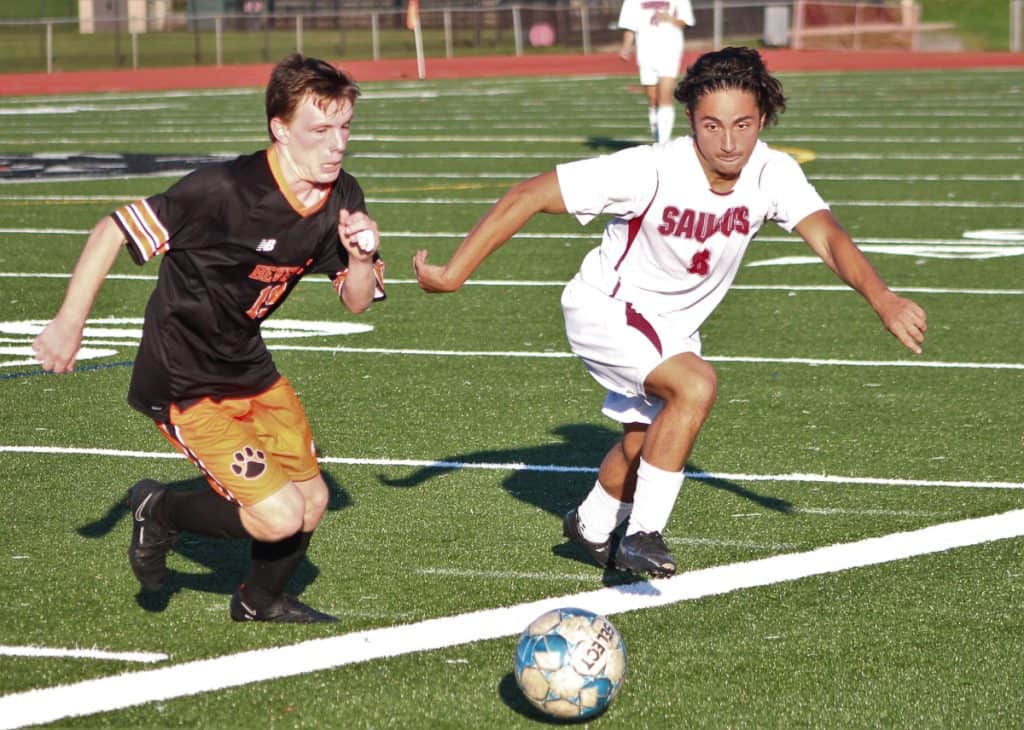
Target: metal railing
(238, 37)
(501, 28)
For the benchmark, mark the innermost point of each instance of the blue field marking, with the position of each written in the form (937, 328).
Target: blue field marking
(78, 369)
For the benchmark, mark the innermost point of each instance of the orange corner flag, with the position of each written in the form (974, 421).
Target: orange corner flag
(412, 15)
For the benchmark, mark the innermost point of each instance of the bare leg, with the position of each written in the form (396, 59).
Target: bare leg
(664, 111)
(687, 384)
(618, 469)
(295, 507)
(274, 561)
(652, 109)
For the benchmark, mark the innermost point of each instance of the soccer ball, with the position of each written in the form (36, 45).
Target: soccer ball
(570, 663)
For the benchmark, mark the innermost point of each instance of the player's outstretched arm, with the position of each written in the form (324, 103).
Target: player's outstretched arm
(539, 194)
(57, 345)
(902, 317)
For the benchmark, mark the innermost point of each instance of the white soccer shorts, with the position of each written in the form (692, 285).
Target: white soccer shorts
(663, 66)
(659, 58)
(620, 346)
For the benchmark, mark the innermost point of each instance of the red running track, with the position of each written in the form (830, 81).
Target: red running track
(256, 75)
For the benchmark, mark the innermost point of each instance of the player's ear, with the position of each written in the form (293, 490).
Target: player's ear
(279, 128)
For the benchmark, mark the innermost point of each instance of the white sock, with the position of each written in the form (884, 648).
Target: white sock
(600, 513)
(656, 492)
(652, 120)
(666, 119)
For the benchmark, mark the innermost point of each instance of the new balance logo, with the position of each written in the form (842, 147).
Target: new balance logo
(266, 245)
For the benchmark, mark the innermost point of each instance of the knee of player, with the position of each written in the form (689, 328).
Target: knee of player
(707, 388)
(695, 387)
(317, 501)
(702, 392)
(283, 523)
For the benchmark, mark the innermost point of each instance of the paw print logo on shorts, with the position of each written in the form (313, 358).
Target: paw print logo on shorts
(249, 463)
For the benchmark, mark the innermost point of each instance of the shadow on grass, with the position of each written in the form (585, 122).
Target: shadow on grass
(550, 478)
(224, 563)
(516, 701)
(610, 144)
(773, 503)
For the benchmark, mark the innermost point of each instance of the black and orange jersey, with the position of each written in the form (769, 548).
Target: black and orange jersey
(234, 242)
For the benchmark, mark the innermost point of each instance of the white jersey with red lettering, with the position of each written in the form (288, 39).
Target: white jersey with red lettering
(656, 39)
(668, 256)
(675, 243)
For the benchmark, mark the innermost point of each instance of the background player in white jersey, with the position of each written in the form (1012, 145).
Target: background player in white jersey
(684, 214)
(655, 28)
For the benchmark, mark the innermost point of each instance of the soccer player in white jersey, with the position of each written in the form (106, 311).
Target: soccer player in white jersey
(655, 28)
(683, 215)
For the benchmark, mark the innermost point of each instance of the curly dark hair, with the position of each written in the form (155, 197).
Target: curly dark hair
(295, 76)
(735, 67)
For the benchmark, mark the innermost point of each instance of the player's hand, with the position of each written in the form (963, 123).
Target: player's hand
(906, 320)
(625, 53)
(57, 345)
(358, 234)
(430, 277)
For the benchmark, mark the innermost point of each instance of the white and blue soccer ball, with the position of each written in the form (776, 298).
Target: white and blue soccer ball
(570, 663)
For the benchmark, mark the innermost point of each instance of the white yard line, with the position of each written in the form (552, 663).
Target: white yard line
(809, 361)
(1006, 237)
(795, 477)
(829, 288)
(554, 156)
(208, 675)
(50, 652)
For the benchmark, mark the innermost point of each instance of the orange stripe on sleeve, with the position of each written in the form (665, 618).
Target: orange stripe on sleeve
(145, 230)
(136, 236)
(152, 223)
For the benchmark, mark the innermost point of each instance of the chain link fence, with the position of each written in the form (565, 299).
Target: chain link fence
(153, 33)
(221, 32)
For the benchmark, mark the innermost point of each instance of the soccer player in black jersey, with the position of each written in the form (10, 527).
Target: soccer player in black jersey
(235, 238)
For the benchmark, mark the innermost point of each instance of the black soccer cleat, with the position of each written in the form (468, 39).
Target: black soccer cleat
(645, 552)
(599, 552)
(150, 540)
(284, 609)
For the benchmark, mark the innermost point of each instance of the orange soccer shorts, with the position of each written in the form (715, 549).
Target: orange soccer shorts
(247, 448)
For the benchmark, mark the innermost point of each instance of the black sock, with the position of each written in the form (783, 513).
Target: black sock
(273, 564)
(204, 513)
